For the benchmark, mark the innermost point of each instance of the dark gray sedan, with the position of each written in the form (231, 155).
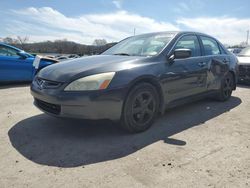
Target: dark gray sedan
(138, 78)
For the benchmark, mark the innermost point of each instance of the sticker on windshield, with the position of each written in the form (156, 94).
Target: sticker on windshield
(36, 62)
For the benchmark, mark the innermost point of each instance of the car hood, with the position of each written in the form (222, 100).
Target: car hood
(243, 60)
(69, 70)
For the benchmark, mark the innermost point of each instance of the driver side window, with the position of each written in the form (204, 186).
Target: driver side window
(5, 51)
(189, 42)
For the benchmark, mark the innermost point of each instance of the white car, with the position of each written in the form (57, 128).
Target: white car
(234, 50)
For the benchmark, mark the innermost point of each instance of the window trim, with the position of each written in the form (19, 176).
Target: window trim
(223, 52)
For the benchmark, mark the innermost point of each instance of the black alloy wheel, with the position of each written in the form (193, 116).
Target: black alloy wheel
(140, 108)
(226, 87)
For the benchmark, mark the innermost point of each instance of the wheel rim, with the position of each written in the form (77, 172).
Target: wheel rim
(227, 89)
(143, 108)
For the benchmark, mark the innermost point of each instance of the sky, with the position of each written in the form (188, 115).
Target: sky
(83, 21)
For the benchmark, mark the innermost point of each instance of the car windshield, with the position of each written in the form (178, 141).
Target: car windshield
(245, 52)
(141, 45)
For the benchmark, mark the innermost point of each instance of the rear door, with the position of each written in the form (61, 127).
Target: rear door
(13, 67)
(186, 77)
(217, 61)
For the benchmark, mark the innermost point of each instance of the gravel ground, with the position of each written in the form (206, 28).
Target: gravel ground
(203, 144)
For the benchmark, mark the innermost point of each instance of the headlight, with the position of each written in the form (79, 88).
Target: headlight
(93, 82)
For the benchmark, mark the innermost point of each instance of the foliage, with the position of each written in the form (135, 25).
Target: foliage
(59, 46)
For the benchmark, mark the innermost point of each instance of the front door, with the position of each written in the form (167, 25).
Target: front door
(14, 67)
(186, 77)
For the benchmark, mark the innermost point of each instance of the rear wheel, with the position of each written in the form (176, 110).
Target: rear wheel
(226, 89)
(140, 108)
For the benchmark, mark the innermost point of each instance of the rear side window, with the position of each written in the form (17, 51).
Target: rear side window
(210, 46)
(189, 42)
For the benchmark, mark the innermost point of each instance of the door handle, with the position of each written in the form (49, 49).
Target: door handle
(202, 64)
(170, 73)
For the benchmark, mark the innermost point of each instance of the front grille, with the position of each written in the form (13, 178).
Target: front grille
(48, 107)
(244, 70)
(47, 84)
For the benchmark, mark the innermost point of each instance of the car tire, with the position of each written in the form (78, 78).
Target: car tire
(140, 108)
(227, 85)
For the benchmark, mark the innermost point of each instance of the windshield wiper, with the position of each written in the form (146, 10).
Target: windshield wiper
(125, 54)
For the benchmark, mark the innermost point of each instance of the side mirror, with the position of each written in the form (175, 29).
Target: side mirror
(181, 54)
(22, 54)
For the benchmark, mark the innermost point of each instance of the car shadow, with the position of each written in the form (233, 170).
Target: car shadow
(13, 85)
(70, 143)
(244, 85)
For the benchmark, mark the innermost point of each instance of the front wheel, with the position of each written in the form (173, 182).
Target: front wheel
(140, 108)
(226, 89)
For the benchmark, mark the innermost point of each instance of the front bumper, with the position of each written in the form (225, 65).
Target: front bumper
(105, 104)
(244, 72)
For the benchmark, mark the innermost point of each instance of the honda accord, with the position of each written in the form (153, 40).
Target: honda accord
(138, 78)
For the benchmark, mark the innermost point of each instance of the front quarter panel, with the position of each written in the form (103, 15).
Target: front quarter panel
(128, 77)
(146, 72)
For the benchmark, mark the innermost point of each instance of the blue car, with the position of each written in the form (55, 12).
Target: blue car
(19, 66)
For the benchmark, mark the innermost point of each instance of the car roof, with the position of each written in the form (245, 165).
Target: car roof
(175, 33)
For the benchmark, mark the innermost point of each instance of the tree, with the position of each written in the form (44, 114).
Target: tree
(99, 42)
(22, 41)
(9, 40)
(243, 44)
(62, 46)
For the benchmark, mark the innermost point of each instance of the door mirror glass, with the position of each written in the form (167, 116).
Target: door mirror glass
(182, 53)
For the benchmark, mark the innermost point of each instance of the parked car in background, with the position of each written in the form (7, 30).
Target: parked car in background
(234, 50)
(62, 58)
(137, 78)
(73, 56)
(66, 57)
(244, 65)
(18, 66)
